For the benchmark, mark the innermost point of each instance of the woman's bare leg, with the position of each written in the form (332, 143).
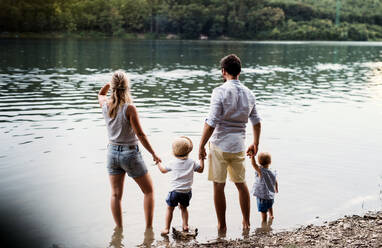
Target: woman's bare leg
(116, 182)
(146, 186)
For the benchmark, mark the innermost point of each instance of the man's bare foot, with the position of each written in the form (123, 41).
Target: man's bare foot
(222, 232)
(222, 228)
(246, 225)
(245, 232)
(185, 229)
(164, 232)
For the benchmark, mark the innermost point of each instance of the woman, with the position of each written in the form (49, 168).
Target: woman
(123, 156)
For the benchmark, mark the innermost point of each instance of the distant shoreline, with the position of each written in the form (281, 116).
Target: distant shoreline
(136, 36)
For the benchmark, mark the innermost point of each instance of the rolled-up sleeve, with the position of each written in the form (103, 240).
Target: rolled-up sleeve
(215, 114)
(254, 115)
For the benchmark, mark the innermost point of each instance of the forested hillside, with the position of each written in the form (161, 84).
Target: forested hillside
(189, 19)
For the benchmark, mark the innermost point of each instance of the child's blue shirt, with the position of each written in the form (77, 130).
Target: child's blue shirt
(264, 186)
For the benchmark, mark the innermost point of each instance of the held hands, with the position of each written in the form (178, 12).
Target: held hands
(252, 150)
(202, 153)
(156, 159)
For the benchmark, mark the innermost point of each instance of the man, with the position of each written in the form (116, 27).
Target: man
(232, 104)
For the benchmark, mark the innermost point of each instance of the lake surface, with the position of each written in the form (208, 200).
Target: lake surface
(321, 109)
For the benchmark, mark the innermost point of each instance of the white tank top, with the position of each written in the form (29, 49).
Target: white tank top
(119, 129)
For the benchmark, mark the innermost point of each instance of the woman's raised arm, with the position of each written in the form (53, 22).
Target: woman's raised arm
(102, 94)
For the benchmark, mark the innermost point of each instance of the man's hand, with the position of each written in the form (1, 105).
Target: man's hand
(202, 153)
(252, 150)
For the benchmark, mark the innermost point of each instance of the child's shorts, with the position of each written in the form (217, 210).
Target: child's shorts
(174, 198)
(264, 204)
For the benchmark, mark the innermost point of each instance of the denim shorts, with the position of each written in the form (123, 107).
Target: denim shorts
(264, 204)
(125, 159)
(174, 198)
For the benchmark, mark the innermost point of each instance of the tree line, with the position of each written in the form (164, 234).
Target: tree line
(189, 19)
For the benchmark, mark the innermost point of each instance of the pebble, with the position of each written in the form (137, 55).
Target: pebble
(347, 225)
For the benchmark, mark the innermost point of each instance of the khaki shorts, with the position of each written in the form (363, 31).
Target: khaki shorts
(220, 162)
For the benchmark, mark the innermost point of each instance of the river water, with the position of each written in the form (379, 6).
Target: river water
(321, 109)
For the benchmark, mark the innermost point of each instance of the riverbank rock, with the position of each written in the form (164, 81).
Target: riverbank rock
(349, 231)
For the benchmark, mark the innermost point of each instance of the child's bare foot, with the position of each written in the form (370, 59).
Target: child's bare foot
(185, 229)
(165, 232)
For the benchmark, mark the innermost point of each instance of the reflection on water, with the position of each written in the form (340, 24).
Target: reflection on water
(265, 227)
(148, 238)
(321, 105)
(116, 238)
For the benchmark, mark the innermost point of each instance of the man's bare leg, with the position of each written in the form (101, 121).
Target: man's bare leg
(245, 203)
(220, 205)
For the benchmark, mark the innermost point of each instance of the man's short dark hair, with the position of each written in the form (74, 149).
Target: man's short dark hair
(231, 64)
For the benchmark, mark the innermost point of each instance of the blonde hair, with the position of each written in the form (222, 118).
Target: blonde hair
(182, 146)
(120, 92)
(265, 159)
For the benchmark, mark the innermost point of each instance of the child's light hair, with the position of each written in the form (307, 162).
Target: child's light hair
(182, 146)
(264, 158)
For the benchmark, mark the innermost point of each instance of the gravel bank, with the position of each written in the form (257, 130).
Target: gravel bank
(349, 231)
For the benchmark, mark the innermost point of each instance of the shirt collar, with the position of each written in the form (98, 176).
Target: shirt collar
(233, 81)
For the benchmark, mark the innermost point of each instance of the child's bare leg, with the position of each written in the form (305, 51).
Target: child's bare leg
(184, 217)
(169, 212)
(271, 213)
(263, 217)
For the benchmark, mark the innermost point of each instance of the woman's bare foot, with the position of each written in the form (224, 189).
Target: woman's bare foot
(165, 232)
(185, 229)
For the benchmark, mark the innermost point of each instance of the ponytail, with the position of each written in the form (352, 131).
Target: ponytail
(120, 92)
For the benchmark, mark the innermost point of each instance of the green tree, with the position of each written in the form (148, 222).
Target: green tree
(265, 19)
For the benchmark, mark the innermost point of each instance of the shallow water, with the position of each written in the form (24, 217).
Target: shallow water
(321, 105)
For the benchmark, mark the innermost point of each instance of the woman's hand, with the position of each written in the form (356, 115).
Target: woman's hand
(156, 159)
(102, 94)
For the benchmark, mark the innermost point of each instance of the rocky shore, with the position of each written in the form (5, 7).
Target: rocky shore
(349, 231)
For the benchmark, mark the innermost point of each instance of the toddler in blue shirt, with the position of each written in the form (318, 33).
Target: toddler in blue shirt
(265, 185)
(182, 171)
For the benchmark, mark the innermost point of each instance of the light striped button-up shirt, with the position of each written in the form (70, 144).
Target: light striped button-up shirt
(232, 104)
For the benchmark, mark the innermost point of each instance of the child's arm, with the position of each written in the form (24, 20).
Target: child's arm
(201, 168)
(255, 166)
(162, 168)
(277, 187)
